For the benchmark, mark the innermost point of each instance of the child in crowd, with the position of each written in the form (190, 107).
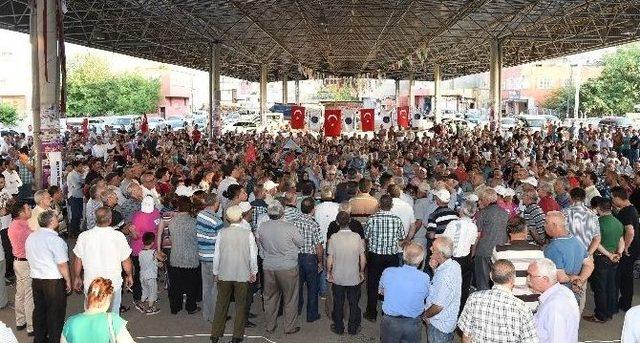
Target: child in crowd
(149, 273)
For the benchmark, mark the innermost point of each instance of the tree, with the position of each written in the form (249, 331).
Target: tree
(94, 90)
(617, 89)
(561, 99)
(8, 114)
(614, 92)
(337, 92)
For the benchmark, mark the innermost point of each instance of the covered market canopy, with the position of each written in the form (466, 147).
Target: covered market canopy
(310, 38)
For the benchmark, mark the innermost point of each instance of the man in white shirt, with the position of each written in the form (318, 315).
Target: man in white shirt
(43, 203)
(75, 184)
(232, 172)
(103, 252)
(148, 181)
(11, 178)
(403, 210)
(558, 315)
(50, 278)
(631, 329)
(326, 212)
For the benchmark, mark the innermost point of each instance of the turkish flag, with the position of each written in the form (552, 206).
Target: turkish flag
(367, 119)
(403, 116)
(332, 123)
(297, 117)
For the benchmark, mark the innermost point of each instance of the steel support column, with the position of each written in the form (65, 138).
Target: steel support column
(263, 94)
(495, 76)
(47, 99)
(437, 89)
(397, 92)
(285, 89)
(576, 100)
(297, 91)
(214, 88)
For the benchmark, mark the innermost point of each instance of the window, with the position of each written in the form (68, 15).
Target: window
(544, 83)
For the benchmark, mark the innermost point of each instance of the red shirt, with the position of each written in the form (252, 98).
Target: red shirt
(18, 232)
(163, 188)
(548, 204)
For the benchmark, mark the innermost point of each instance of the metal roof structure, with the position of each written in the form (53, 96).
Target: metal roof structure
(389, 38)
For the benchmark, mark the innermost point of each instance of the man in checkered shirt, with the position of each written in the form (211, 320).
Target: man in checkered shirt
(496, 315)
(310, 258)
(384, 233)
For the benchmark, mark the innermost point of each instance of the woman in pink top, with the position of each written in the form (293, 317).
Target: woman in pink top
(143, 221)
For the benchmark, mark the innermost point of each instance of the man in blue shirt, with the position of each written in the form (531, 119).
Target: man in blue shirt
(571, 259)
(443, 303)
(405, 290)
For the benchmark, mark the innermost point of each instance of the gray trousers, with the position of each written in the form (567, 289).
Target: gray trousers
(400, 330)
(3, 289)
(209, 291)
(281, 284)
(482, 272)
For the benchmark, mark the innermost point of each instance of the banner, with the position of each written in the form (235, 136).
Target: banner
(387, 118)
(367, 119)
(297, 117)
(56, 169)
(349, 119)
(332, 123)
(315, 119)
(403, 116)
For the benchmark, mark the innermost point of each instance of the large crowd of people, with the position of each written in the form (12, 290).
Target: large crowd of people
(496, 236)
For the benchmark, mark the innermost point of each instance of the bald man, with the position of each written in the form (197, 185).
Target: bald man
(572, 260)
(405, 290)
(477, 320)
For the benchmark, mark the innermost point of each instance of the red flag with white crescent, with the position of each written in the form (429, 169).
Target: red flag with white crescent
(403, 116)
(367, 119)
(297, 117)
(332, 123)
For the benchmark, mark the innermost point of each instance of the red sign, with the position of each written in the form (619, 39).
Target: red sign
(367, 118)
(332, 123)
(297, 117)
(403, 116)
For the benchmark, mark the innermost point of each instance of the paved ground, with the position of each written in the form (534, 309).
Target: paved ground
(184, 328)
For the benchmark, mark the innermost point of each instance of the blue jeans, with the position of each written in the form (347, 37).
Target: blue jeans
(308, 264)
(400, 330)
(436, 336)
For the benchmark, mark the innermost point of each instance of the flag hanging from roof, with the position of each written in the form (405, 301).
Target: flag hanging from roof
(367, 119)
(403, 116)
(297, 117)
(332, 123)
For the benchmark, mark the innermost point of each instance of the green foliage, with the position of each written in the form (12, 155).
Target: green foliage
(617, 89)
(337, 92)
(614, 92)
(561, 99)
(8, 114)
(93, 90)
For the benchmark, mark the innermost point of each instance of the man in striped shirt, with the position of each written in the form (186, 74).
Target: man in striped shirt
(384, 233)
(520, 252)
(534, 216)
(208, 224)
(438, 220)
(310, 258)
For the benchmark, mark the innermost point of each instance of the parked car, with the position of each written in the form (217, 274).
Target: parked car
(124, 123)
(175, 123)
(241, 127)
(534, 123)
(615, 122)
(156, 123)
(507, 123)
